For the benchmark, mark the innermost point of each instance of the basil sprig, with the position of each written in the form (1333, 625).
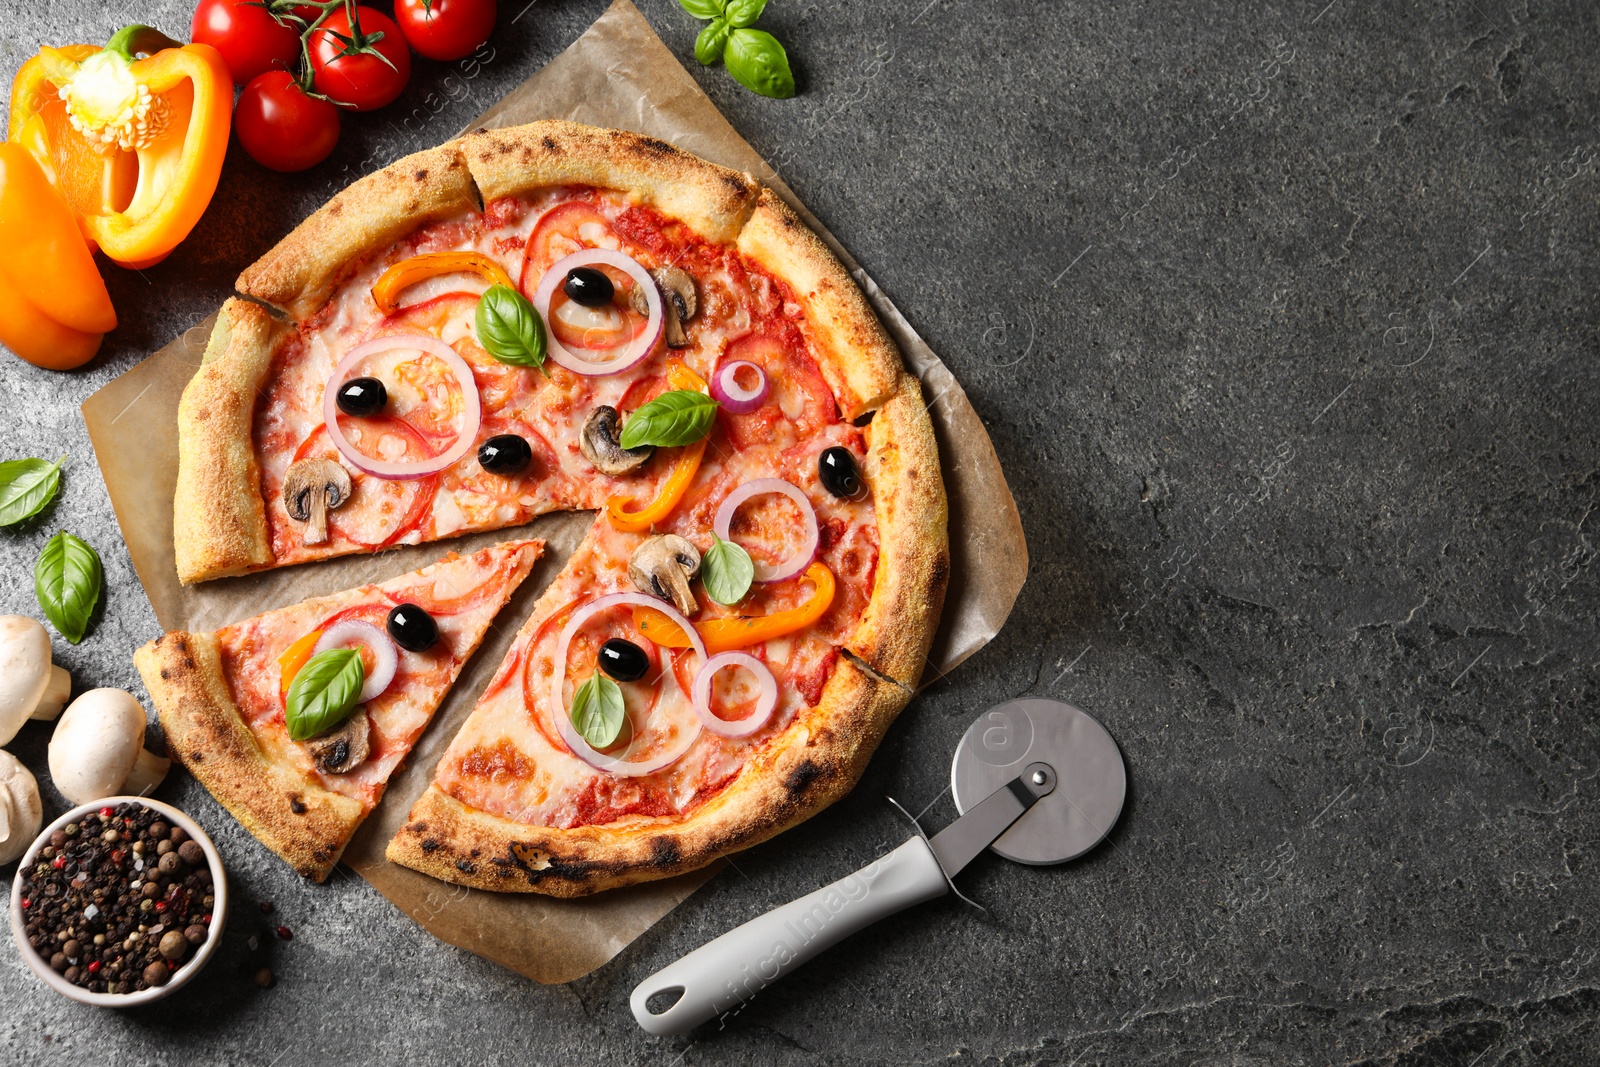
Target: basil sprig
(726, 572)
(510, 329)
(754, 57)
(26, 486)
(323, 694)
(679, 417)
(66, 582)
(597, 711)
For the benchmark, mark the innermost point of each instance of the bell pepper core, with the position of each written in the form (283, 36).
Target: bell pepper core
(742, 631)
(677, 483)
(409, 272)
(293, 658)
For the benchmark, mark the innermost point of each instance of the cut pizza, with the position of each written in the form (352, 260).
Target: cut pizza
(554, 317)
(296, 718)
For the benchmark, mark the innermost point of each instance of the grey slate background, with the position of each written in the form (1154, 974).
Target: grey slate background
(1282, 318)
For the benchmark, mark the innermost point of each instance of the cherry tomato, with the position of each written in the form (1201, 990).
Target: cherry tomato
(445, 29)
(363, 81)
(283, 128)
(251, 41)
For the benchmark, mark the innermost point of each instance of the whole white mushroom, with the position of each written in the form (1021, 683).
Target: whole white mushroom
(30, 685)
(98, 748)
(21, 814)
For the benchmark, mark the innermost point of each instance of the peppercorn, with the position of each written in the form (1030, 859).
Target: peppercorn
(158, 829)
(174, 946)
(191, 853)
(177, 835)
(264, 978)
(169, 863)
(156, 973)
(285, 934)
(58, 962)
(150, 889)
(195, 934)
(164, 847)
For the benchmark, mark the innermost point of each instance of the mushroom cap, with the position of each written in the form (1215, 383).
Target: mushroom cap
(96, 743)
(601, 444)
(21, 814)
(310, 480)
(662, 566)
(24, 671)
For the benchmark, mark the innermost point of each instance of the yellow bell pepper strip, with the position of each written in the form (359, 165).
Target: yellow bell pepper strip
(408, 272)
(294, 657)
(742, 631)
(53, 304)
(683, 470)
(170, 110)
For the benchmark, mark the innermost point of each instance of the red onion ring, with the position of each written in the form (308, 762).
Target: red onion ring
(765, 703)
(354, 631)
(638, 348)
(611, 765)
(772, 572)
(393, 470)
(735, 398)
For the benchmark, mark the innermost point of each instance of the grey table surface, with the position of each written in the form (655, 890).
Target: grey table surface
(1283, 320)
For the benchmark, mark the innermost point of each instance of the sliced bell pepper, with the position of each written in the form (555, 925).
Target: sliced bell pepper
(684, 467)
(53, 303)
(294, 657)
(408, 272)
(136, 144)
(742, 631)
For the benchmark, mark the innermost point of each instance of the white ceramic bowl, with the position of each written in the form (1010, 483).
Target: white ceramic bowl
(202, 955)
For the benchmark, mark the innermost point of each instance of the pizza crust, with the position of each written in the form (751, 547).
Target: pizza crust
(288, 811)
(714, 201)
(812, 763)
(219, 523)
(302, 270)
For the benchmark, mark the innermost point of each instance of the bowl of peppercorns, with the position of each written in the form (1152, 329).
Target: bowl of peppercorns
(119, 902)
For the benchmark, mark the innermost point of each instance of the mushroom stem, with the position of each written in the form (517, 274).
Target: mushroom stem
(148, 771)
(56, 693)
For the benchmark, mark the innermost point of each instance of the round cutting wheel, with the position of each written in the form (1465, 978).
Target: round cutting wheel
(1091, 781)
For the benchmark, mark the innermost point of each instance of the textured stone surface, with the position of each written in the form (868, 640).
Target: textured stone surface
(1282, 318)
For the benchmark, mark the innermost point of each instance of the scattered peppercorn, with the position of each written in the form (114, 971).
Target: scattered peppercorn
(264, 978)
(285, 934)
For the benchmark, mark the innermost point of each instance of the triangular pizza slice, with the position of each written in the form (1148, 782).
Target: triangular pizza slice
(274, 717)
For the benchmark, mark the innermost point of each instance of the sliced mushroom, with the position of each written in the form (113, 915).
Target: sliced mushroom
(677, 298)
(662, 567)
(343, 748)
(602, 445)
(312, 488)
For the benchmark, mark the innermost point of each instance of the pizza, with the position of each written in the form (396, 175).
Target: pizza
(226, 698)
(550, 318)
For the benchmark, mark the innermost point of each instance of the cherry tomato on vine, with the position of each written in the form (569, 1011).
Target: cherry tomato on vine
(251, 41)
(445, 29)
(362, 81)
(281, 127)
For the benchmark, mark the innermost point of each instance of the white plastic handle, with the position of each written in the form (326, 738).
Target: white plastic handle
(717, 977)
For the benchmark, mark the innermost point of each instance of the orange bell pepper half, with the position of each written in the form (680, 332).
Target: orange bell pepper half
(619, 508)
(294, 657)
(53, 304)
(742, 631)
(135, 145)
(408, 272)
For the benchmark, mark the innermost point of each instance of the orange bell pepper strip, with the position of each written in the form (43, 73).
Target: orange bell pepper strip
(170, 112)
(294, 657)
(684, 468)
(53, 304)
(742, 631)
(408, 272)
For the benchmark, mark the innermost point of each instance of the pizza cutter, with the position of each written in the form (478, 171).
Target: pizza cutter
(1036, 781)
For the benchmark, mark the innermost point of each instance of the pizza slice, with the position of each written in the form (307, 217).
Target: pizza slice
(296, 718)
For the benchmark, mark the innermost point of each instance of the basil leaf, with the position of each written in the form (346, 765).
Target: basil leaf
(680, 417)
(703, 9)
(708, 46)
(597, 711)
(726, 572)
(26, 486)
(758, 62)
(323, 694)
(66, 582)
(742, 13)
(509, 329)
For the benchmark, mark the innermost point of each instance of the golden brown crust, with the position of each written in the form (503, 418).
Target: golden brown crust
(909, 503)
(860, 362)
(284, 808)
(219, 523)
(812, 763)
(302, 271)
(713, 200)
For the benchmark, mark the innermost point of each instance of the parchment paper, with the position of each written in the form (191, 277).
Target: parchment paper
(617, 74)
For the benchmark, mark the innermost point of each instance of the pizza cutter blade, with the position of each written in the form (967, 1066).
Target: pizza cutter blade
(1036, 781)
